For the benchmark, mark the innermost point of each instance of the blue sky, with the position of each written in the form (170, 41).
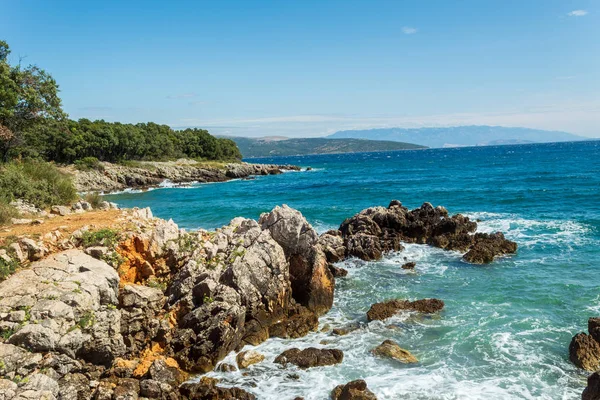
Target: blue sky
(309, 68)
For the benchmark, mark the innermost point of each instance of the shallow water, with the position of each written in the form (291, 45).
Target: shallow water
(506, 327)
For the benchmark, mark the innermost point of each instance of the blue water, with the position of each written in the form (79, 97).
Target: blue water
(506, 328)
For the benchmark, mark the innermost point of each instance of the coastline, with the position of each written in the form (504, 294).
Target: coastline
(109, 178)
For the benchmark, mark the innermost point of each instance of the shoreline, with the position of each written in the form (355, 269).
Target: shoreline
(108, 178)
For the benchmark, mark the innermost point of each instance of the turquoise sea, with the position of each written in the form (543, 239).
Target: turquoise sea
(506, 328)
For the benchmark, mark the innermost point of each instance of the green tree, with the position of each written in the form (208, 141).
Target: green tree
(27, 96)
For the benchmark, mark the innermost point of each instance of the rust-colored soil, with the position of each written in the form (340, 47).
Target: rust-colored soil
(66, 225)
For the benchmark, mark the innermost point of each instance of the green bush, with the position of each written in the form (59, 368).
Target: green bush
(94, 199)
(6, 212)
(37, 182)
(103, 237)
(89, 163)
(7, 268)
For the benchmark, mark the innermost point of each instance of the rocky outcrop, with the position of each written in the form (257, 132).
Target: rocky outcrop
(247, 358)
(584, 350)
(207, 389)
(65, 303)
(355, 390)
(390, 349)
(378, 230)
(386, 309)
(114, 177)
(592, 391)
(311, 279)
(310, 357)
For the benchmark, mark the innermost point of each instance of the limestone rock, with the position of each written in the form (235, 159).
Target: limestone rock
(248, 358)
(355, 390)
(391, 349)
(310, 357)
(386, 309)
(584, 352)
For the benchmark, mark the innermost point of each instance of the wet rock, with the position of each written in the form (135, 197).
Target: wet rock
(338, 272)
(345, 329)
(386, 309)
(312, 282)
(247, 358)
(592, 391)
(391, 349)
(355, 390)
(487, 246)
(225, 367)
(207, 389)
(310, 357)
(409, 265)
(594, 328)
(299, 322)
(584, 352)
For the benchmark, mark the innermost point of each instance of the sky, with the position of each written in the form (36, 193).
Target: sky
(310, 68)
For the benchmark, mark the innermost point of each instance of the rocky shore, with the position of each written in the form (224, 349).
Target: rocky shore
(135, 309)
(107, 177)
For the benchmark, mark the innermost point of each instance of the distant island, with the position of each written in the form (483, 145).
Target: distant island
(283, 146)
(458, 136)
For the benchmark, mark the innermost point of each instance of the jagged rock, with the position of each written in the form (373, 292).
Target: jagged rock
(248, 358)
(35, 251)
(15, 358)
(355, 390)
(487, 246)
(300, 322)
(160, 371)
(15, 249)
(345, 329)
(594, 328)
(207, 389)
(225, 367)
(8, 389)
(312, 282)
(584, 352)
(333, 246)
(21, 221)
(70, 301)
(338, 272)
(409, 265)
(310, 357)
(74, 387)
(391, 349)
(592, 391)
(41, 383)
(386, 309)
(126, 389)
(142, 213)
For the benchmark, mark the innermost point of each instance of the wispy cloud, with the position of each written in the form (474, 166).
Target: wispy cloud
(577, 13)
(407, 30)
(182, 96)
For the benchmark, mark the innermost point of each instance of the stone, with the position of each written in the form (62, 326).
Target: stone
(60, 210)
(207, 389)
(592, 391)
(386, 309)
(333, 245)
(40, 382)
(594, 328)
(310, 357)
(355, 390)
(225, 367)
(8, 389)
(35, 251)
(97, 252)
(312, 282)
(245, 359)
(409, 265)
(584, 352)
(338, 272)
(15, 250)
(391, 349)
(487, 246)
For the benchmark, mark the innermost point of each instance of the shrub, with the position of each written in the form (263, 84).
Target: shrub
(7, 268)
(89, 163)
(37, 182)
(103, 237)
(6, 212)
(94, 199)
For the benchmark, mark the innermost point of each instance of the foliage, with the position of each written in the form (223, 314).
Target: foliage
(94, 199)
(27, 95)
(39, 183)
(6, 211)
(103, 237)
(88, 163)
(7, 268)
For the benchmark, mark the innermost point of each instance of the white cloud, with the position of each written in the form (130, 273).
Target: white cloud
(408, 30)
(577, 13)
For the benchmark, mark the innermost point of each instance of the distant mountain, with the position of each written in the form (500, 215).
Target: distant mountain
(279, 146)
(461, 136)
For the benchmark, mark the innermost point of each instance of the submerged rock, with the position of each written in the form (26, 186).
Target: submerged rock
(391, 349)
(310, 357)
(355, 390)
(487, 246)
(386, 309)
(409, 265)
